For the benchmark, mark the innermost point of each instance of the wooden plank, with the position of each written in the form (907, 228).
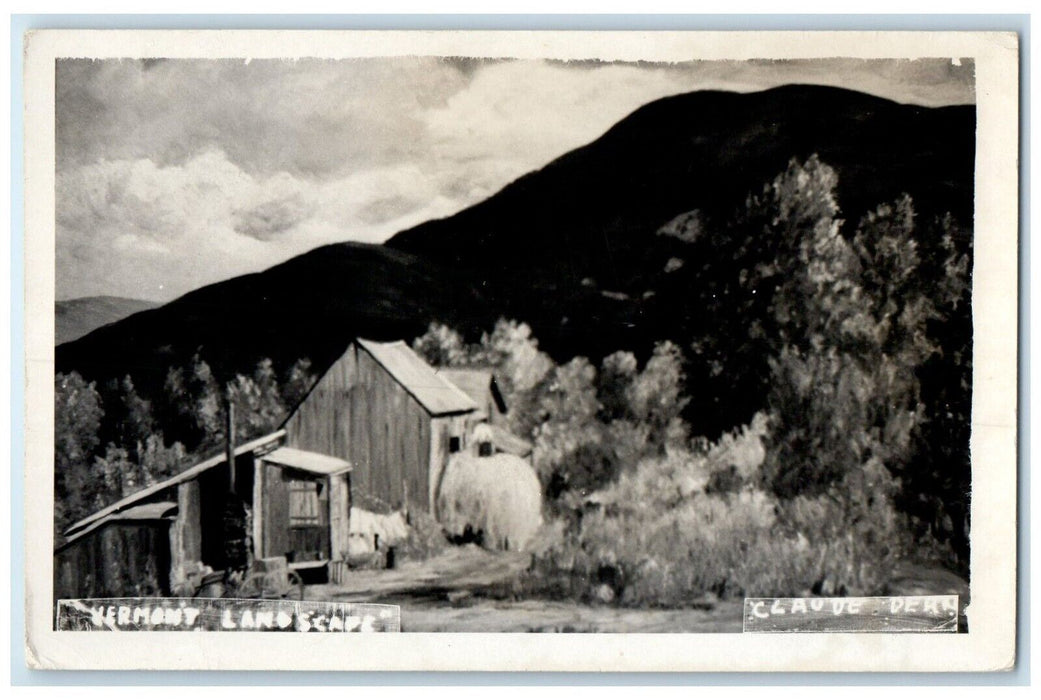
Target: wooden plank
(339, 515)
(185, 535)
(419, 492)
(223, 615)
(258, 509)
(276, 512)
(437, 459)
(931, 613)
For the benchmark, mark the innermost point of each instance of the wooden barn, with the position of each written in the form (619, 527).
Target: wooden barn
(276, 501)
(380, 424)
(480, 385)
(395, 418)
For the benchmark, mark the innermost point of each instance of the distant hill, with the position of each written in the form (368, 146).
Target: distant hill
(572, 249)
(75, 318)
(311, 306)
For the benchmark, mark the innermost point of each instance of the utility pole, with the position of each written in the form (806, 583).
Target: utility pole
(229, 441)
(236, 549)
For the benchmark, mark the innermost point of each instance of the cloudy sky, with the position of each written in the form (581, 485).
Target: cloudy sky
(173, 174)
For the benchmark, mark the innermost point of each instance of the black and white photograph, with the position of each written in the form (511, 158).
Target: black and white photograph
(462, 341)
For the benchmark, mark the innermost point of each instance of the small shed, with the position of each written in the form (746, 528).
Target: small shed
(480, 385)
(122, 553)
(382, 408)
(272, 501)
(301, 507)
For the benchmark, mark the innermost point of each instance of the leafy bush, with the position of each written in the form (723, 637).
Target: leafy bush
(662, 535)
(587, 426)
(442, 346)
(258, 402)
(737, 456)
(654, 556)
(118, 473)
(297, 383)
(745, 543)
(192, 409)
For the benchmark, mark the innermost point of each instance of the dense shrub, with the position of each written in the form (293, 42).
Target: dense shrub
(745, 543)
(662, 535)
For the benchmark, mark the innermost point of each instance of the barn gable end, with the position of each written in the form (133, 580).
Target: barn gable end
(383, 409)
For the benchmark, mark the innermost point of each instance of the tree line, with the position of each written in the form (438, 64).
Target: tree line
(111, 442)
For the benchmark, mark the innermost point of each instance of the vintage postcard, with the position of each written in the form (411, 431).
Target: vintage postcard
(682, 350)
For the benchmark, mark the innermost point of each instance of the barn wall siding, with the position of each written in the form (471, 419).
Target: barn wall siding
(360, 413)
(322, 423)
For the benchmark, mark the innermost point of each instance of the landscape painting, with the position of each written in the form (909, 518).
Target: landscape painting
(488, 344)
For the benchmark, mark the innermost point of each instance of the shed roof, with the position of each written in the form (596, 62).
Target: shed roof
(163, 510)
(433, 392)
(475, 383)
(508, 442)
(307, 461)
(186, 475)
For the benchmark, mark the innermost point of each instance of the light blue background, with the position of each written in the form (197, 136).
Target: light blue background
(21, 23)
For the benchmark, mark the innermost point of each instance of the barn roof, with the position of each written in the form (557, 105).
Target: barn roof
(433, 392)
(186, 475)
(475, 382)
(307, 461)
(164, 510)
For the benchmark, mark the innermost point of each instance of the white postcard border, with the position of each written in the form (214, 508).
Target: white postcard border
(990, 643)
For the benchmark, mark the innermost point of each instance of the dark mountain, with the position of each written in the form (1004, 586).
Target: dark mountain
(311, 306)
(550, 245)
(573, 249)
(74, 318)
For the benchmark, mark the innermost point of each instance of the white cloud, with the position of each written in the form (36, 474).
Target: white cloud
(534, 112)
(176, 174)
(309, 117)
(132, 228)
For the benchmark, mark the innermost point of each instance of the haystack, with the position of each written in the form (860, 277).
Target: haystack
(497, 499)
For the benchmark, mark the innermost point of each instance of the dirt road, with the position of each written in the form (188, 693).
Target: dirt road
(463, 590)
